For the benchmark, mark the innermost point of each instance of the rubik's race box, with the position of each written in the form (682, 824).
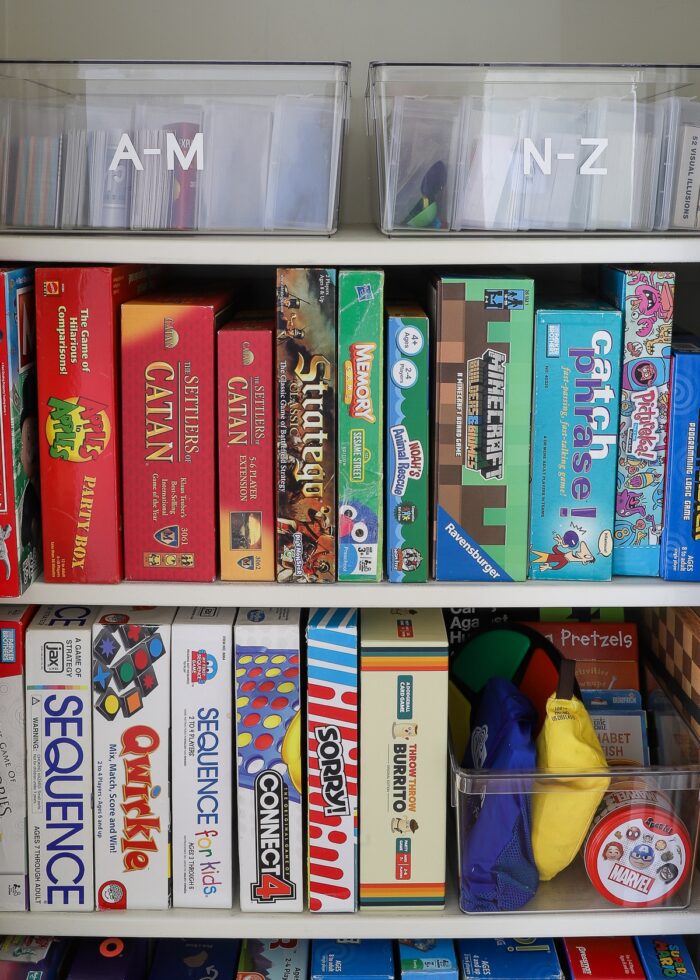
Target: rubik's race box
(202, 757)
(576, 409)
(246, 450)
(359, 959)
(77, 312)
(13, 782)
(360, 425)
(402, 758)
(195, 959)
(332, 759)
(131, 757)
(509, 959)
(169, 447)
(20, 513)
(646, 299)
(407, 444)
(481, 470)
(111, 958)
(603, 958)
(306, 431)
(665, 957)
(268, 738)
(274, 959)
(59, 759)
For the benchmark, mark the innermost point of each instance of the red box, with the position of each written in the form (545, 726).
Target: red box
(603, 958)
(606, 654)
(169, 421)
(246, 402)
(77, 367)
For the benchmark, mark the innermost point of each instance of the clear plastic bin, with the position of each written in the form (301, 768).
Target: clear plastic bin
(206, 147)
(551, 148)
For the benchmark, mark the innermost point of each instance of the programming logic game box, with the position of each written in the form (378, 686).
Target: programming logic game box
(481, 467)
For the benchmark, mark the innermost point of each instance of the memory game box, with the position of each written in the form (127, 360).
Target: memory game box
(483, 384)
(202, 757)
(361, 959)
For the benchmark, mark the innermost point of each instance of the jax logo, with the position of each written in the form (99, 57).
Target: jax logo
(358, 381)
(77, 430)
(331, 764)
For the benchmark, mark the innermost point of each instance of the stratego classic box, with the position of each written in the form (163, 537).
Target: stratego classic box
(131, 757)
(77, 311)
(202, 757)
(306, 429)
(483, 383)
(169, 447)
(268, 739)
(332, 759)
(59, 759)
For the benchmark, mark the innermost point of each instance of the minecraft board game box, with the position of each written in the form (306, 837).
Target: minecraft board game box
(576, 408)
(169, 417)
(306, 425)
(646, 299)
(77, 312)
(483, 372)
(131, 757)
(360, 426)
(20, 513)
(245, 366)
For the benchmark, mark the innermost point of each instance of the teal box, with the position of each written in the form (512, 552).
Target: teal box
(430, 958)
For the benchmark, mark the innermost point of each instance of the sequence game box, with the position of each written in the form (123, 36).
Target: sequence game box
(306, 425)
(481, 470)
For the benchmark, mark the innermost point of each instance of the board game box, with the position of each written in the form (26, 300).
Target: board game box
(169, 447)
(622, 735)
(274, 959)
(77, 312)
(59, 759)
(509, 959)
(332, 760)
(359, 959)
(110, 959)
(33, 957)
(246, 450)
(407, 443)
(603, 958)
(131, 756)
(360, 426)
(268, 738)
(195, 959)
(646, 298)
(672, 634)
(202, 757)
(306, 425)
(483, 385)
(576, 409)
(433, 958)
(402, 758)
(665, 957)
(606, 654)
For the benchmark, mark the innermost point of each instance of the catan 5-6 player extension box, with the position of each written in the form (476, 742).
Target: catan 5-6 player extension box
(77, 313)
(169, 448)
(306, 393)
(483, 382)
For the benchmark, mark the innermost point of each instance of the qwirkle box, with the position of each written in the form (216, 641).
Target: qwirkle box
(509, 959)
(274, 959)
(428, 958)
(131, 756)
(361, 959)
(360, 426)
(483, 383)
(407, 444)
(646, 297)
(576, 408)
(268, 738)
(202, 757)
(77, 313)
(169, 449)
(195, 959)
(110, 959)
(403, 752)
(306, 456)
(59, 759)
(665, 957)
(332, 759)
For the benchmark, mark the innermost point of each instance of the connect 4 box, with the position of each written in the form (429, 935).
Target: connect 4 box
(268, 737)
(59, 758)
(332, 759)
(131, 757)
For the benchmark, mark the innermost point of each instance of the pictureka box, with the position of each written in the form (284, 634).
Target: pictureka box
(169, 449)
(33, 957)
(202, 757)
(407, 444)
(13, 762)
(195, 959)
(646, 299)
(332, 759)
(268, 739)
(131, 757)
(665, 957)
(402, 758)
(434, 958)
(360, 426)
(246, 399)
(360, 959)
(274, 959)
(78, 311)
(576, 407)
(509, 959)
(59, 759)
(110, 959)
(20, 512)
(603, 958)
(680, 541)
(483, 385)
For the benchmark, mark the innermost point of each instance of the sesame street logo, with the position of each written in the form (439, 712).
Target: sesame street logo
(76, 430)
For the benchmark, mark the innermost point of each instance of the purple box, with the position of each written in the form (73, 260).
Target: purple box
(191, 959)
(110, 959)
(26, 957)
